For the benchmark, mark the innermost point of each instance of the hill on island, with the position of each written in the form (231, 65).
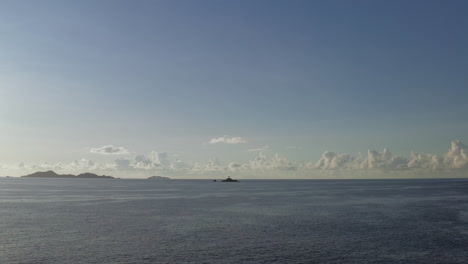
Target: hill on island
(51, 174)
(158, 178)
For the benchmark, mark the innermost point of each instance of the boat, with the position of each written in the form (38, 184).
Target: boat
(229, 179)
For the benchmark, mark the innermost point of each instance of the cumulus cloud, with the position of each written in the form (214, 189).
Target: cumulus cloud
(340, 165)
(109, 150)
(455, 158)
(262, 162)
(81, 165)
(46, 166)
(425, 161)
(211, 166)
(260, 165)
(228, 140)
(154, 161)
(160, 163)
(384, 160)
(160, 158)
(331, 160)
(374, 160)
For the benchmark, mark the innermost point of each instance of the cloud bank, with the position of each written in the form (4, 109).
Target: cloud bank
(109, 150)
(455, 158)
(454, 163)
(228, 140)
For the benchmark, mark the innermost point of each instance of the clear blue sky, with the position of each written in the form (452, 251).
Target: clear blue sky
(300, 77)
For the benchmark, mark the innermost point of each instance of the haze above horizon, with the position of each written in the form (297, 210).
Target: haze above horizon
(253, 89)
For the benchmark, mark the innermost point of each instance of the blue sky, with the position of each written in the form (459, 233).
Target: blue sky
(301, 77)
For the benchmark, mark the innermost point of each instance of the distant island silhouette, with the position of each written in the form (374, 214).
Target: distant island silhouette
(158, 178)
(51, 174)
(229, 179)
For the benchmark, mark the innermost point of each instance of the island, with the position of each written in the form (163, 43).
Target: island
(158, 178)
(51, 174)
(229, 179)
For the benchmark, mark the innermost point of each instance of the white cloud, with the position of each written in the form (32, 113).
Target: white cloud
(455, 158)
(109, 150)
(46, 166)
(384, 160)
(211, 166)
(374, 160)
(279, 163)
(262, 149)
(331, 160)
(228, 140)
(262, 162)
(157, 162)
(454, 163)
(260, 166)
(425, 161)
(160, 158)
(82, 164)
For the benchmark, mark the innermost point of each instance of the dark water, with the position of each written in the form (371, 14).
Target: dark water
(182, 221)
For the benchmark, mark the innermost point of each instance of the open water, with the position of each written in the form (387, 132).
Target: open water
(253, 221)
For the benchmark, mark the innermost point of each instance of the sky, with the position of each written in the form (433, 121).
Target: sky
(254, 89)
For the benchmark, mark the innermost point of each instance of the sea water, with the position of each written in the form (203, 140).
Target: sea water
(252, 221)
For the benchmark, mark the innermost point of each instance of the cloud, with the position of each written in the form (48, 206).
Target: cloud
(227, 140)
(374, 160)
(109, 150)
(384, 160)
(262, 149)
(454, 163)
(455, 158)
(211, 166)
(260, 166)
(157, 162)
(425, 161)
(153, 162)
(81, 165)
(331, 160)
(262, 162)
(160, 158)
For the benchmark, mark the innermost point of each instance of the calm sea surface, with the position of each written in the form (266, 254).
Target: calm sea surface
(256, 221)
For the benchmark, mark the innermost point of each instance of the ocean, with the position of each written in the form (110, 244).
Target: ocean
(252, 221)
